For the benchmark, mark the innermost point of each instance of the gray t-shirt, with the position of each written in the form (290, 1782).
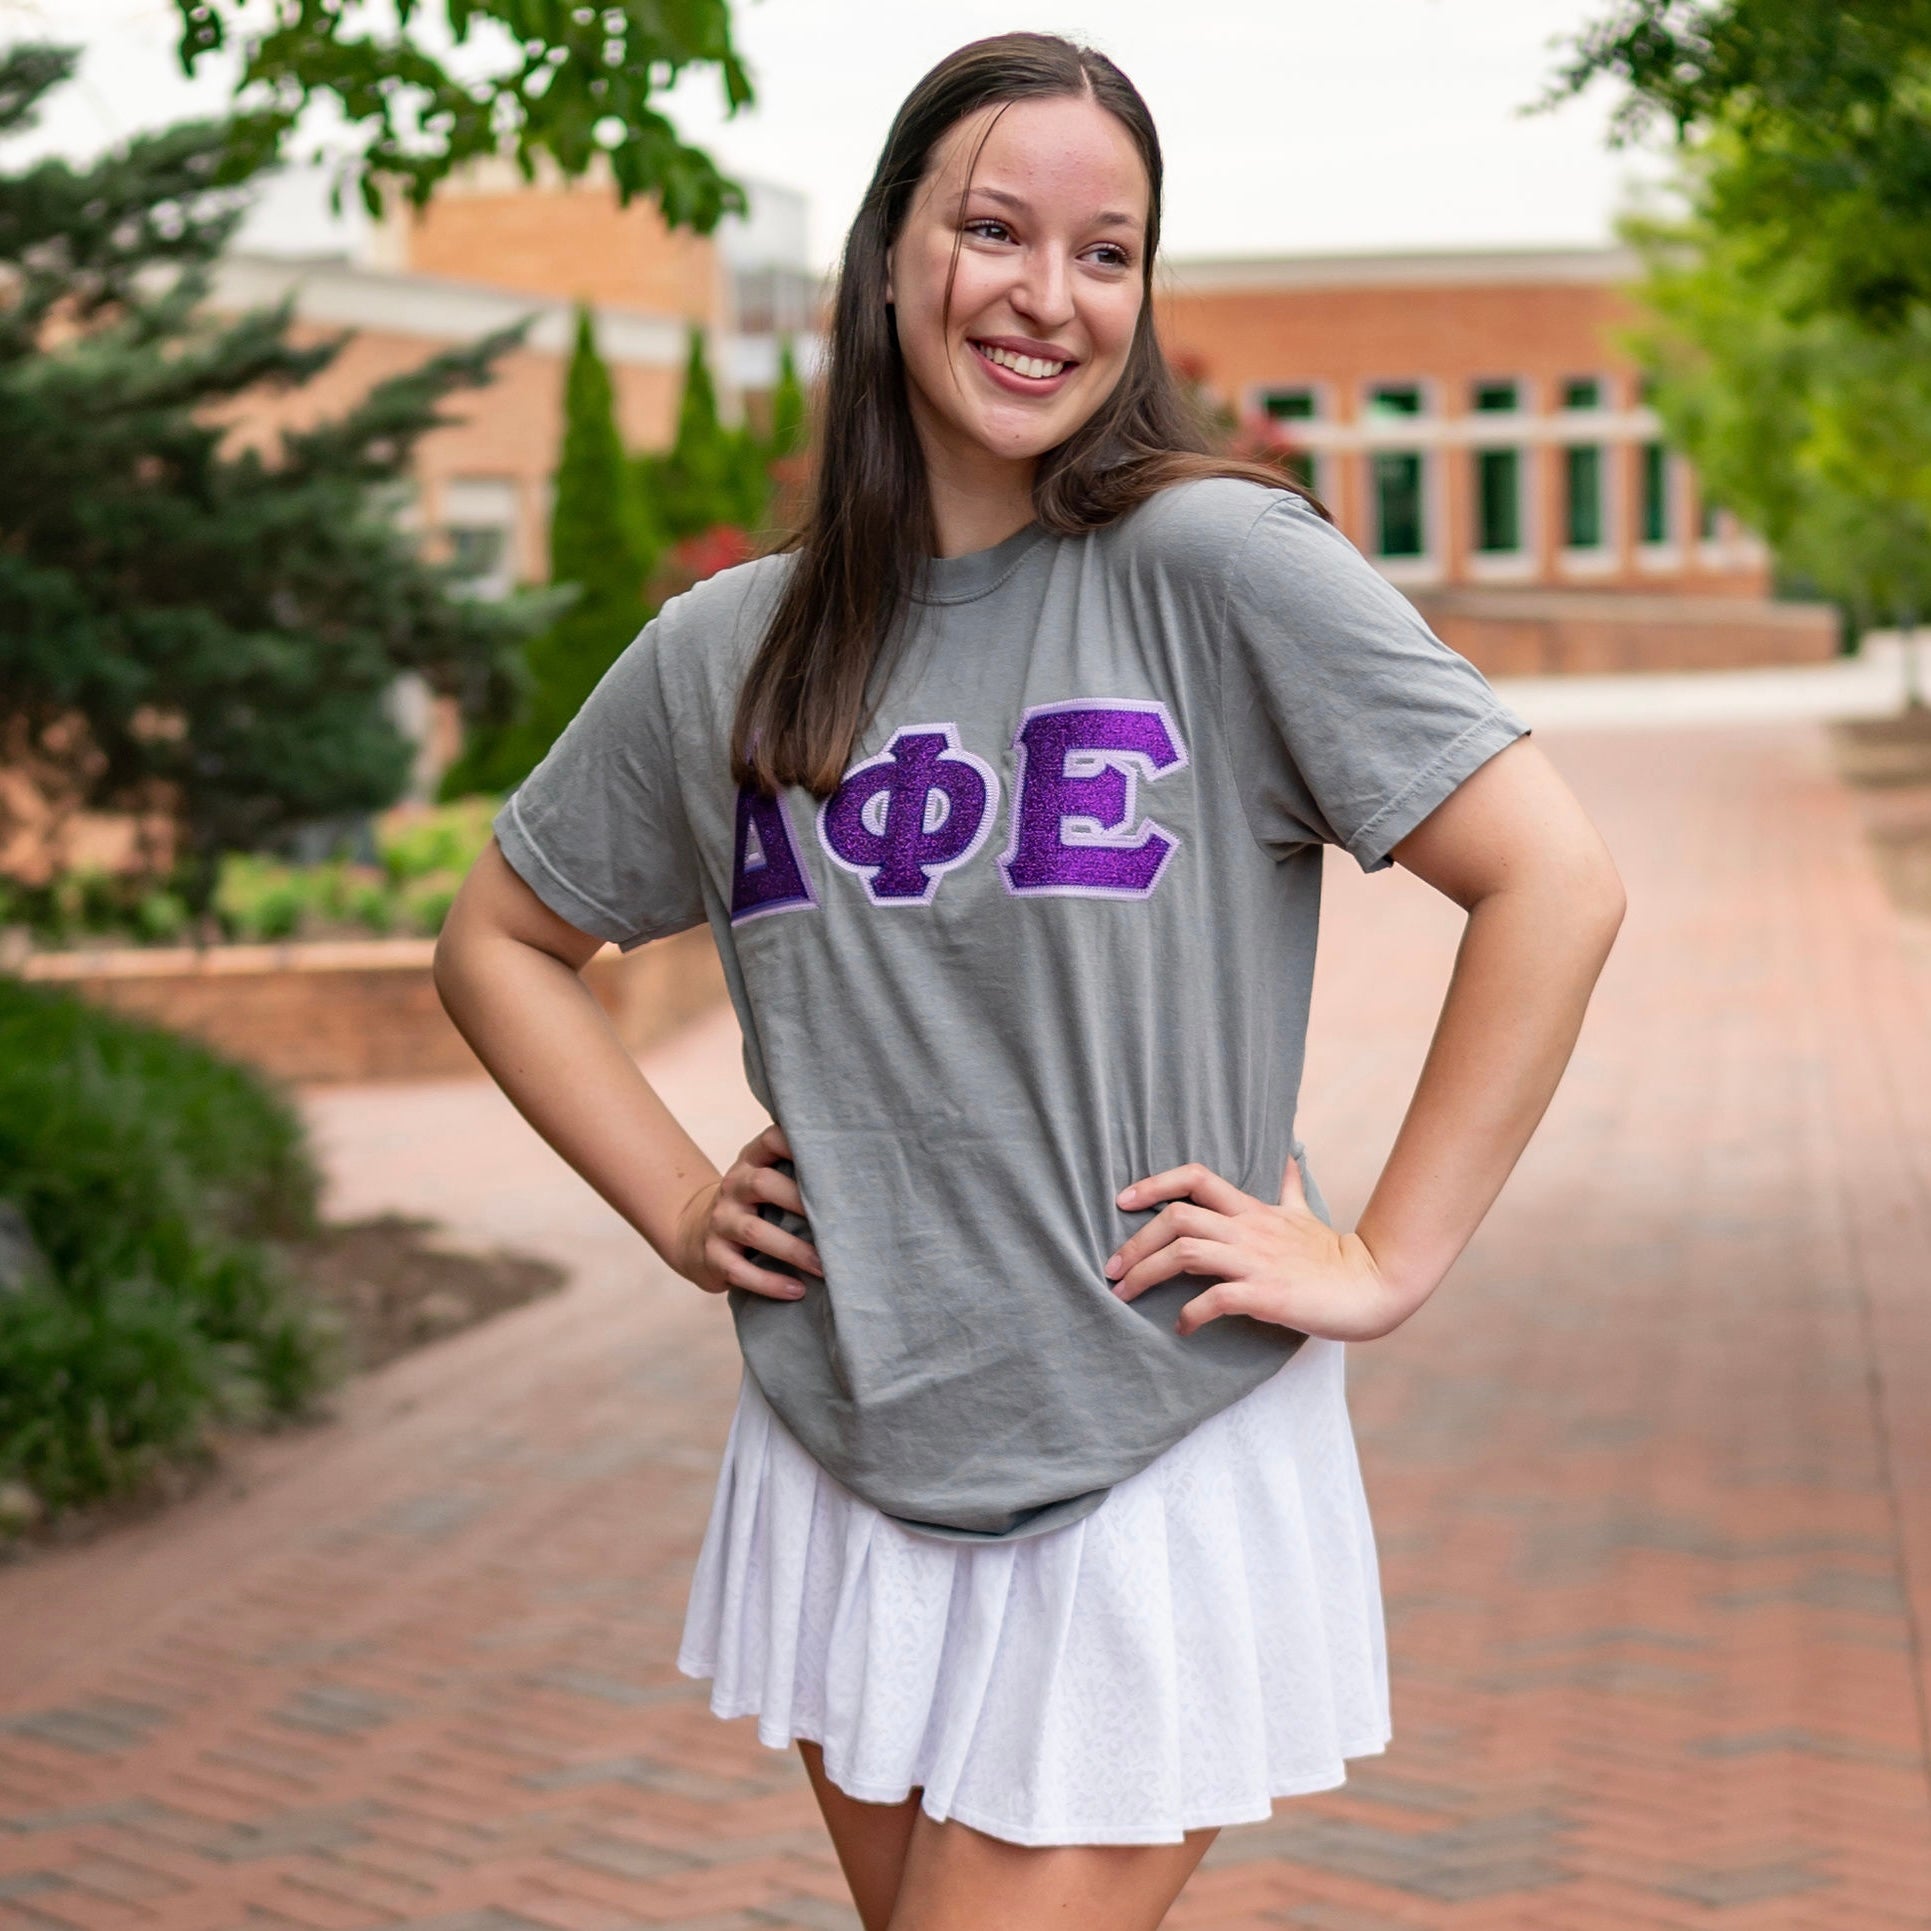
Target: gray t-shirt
(1054, 932)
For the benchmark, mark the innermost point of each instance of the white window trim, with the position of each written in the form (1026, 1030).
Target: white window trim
(1603, 406)
(1322, 392)
(1506, 566)
(1428, 566)
(1596, 559)
(1667, 554)
(1421, 431)
(1506, 424)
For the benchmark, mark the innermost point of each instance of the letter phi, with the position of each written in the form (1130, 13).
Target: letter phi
(905, 818)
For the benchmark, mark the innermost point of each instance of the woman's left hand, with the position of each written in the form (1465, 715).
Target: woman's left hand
(1276, 1261)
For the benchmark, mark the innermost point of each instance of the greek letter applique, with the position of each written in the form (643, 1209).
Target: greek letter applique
(1076, 828)
(905, 818)
(767, 874)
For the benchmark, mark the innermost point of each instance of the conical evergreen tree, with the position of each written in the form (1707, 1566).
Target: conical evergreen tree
(183, 625)
(599, 547)
(711, 476)
(788, 424)
(697, 491)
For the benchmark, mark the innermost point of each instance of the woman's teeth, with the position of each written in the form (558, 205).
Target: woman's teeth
(1027, 365)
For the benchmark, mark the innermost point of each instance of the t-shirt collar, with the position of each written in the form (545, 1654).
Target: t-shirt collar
(960, 579)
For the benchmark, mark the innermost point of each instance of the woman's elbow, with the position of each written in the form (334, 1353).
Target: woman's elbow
(1601, 901)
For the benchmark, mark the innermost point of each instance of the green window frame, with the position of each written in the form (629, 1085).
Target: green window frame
(1498, 501)
(1492, 398)
(1656, 493)
(1299, 403)
(1290, 405)
(1582, 496)
(1401, 526)
(1582, 392)
(1391, 400)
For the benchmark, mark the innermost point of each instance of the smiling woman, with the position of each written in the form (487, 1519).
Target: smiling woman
(1039, 1528)
(1013, 218)
(1017, 284)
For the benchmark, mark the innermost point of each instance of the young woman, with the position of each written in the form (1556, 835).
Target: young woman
(1039, 1527)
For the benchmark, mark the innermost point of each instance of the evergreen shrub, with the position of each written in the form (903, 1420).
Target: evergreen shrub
(155, 1180)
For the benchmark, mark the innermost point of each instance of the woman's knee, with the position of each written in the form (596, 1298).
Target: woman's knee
(957, 1878)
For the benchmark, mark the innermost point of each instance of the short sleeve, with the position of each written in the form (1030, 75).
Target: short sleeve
(598, 831)
(1349, 720)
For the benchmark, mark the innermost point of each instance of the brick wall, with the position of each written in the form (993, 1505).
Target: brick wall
(1535, 318)
(509, 430)
(360, 1011)
(555, 239)
(1535, 633)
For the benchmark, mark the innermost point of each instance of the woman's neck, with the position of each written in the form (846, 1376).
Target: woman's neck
(978, 499)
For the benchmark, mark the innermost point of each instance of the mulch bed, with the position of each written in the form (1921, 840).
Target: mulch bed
(393, 1284)
(1888, 760)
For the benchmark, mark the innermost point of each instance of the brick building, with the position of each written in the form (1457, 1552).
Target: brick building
(1470, 417)
(490, 249)
(1476, 428)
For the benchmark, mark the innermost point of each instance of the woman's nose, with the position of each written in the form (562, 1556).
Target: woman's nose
(1045, 291)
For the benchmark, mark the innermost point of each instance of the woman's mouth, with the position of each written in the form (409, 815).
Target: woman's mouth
(1026, 368)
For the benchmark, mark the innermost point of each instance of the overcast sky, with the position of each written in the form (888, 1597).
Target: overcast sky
(1288, 125)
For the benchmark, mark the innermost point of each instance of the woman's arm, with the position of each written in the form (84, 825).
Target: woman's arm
(509, 973)
(1511, 846)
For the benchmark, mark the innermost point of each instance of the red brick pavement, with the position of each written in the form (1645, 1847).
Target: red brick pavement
(1652, 1477)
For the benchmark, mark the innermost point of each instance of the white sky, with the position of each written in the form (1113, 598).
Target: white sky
(1288, 125)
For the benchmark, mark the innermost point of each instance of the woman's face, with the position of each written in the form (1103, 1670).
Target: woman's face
(1051, 239)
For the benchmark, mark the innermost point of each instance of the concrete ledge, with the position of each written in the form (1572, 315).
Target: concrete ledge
(337, 1011)
(1875, 682)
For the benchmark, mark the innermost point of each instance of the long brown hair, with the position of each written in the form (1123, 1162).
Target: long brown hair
(868, 532)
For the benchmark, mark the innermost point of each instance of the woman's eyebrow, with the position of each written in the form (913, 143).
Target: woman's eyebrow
(1107, 218)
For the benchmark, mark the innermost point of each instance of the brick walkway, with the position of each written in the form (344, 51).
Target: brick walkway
(1652, 1477)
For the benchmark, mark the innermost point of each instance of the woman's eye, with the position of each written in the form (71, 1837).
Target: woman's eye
(998, 229)
(1112, 255)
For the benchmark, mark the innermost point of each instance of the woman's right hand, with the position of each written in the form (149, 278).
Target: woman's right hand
(721, 1220)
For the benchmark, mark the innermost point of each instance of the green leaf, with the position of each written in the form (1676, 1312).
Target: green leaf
(557, 76)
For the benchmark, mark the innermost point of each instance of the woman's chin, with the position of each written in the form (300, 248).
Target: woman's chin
(1017, 442)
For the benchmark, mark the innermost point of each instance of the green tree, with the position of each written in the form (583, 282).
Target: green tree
(185, 624)
(1811, 426)
(540, 80)
(711, 475)
(1828, 114)
(1792, 304)
(788, 413)
(601, 550)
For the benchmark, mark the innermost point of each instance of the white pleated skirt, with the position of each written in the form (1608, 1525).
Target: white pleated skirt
(1208, 1639)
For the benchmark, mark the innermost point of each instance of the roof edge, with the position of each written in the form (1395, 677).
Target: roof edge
(1606, 263)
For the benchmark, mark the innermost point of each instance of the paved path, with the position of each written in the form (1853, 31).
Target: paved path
(1652, 1476)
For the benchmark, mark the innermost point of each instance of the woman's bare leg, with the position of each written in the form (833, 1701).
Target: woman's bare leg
(870, 1839)
(959, 1879)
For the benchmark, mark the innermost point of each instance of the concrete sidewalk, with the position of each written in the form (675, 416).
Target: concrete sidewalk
(1873, 683)
(1651, 1475)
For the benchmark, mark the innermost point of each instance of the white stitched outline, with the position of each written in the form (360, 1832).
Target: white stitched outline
(1087, 833)
(935, 873)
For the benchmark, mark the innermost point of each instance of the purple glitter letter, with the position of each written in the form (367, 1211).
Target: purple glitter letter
(1075, 827)
(903, 819)
(766, 872)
